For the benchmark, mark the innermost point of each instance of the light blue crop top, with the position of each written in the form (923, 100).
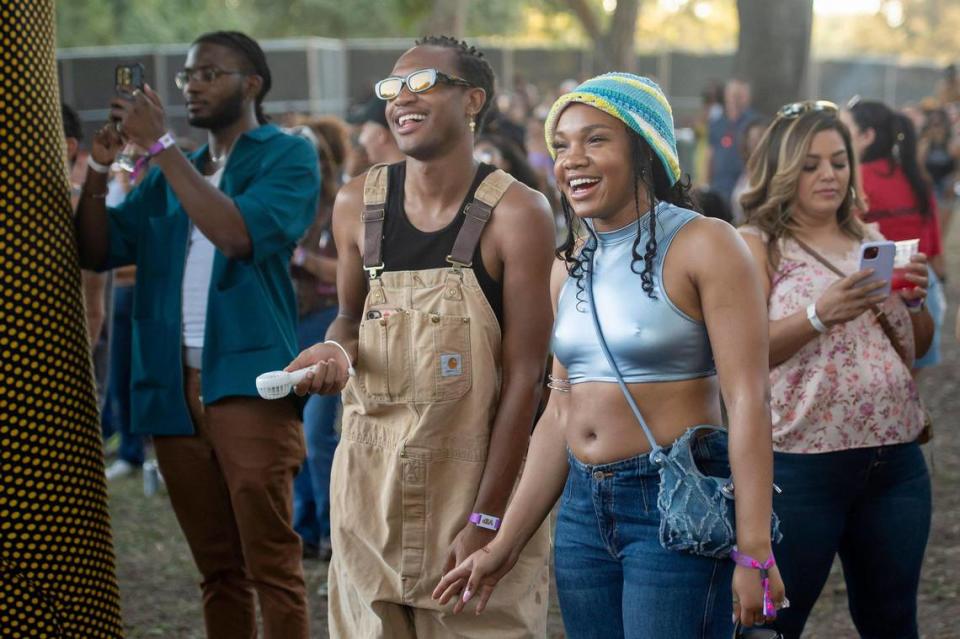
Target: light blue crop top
(651, 339)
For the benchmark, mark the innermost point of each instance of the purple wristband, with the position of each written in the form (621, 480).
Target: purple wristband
(485, 521)
(161, 145)
(769, 608)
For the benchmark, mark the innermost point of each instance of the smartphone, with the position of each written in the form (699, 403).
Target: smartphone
(127, 79)
(878, 256)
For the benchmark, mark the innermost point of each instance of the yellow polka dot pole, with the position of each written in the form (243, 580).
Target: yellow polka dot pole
(56, 553)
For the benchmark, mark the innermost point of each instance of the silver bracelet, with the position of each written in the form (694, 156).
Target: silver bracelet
(350, 370)
(558, 384)
(96, 167)
(815, 320)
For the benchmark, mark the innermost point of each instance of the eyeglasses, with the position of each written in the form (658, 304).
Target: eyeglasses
(417, 82)
(796, 109)
(205, 75)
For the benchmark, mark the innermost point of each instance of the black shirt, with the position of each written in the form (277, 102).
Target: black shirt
(407, 248)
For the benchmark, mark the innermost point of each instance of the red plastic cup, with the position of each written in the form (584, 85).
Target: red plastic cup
(906, 249)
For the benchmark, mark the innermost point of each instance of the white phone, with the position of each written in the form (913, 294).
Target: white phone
(878, 256)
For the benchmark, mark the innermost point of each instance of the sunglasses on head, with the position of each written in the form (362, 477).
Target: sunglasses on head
(417, 82)
(796, 109)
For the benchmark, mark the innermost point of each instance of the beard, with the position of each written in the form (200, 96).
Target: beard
(226, 114)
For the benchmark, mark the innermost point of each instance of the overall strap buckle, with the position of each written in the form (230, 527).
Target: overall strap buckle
(478, 213)
(373, 216)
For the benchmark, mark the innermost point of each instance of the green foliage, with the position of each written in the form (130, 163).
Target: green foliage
(103, 22)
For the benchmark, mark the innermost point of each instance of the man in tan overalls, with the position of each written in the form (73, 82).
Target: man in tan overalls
(445, 312)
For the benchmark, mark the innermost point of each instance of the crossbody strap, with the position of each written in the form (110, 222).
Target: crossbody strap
(881, 316)
(654, 447)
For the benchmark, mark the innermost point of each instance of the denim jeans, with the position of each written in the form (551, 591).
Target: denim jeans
(116, 409)
(614, 579)
(937, 305)
(872, 507)
(311, 488)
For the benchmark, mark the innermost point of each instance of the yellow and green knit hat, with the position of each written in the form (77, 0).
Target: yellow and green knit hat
(637, 101)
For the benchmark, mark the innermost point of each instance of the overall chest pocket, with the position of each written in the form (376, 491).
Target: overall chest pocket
(412, 356)
(444, 367)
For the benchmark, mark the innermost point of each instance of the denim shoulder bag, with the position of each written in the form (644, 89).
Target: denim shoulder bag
(696, 510)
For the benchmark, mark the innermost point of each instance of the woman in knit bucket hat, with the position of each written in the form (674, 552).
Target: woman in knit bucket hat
(680, 306)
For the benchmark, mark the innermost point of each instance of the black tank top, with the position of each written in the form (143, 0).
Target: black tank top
(407, 248)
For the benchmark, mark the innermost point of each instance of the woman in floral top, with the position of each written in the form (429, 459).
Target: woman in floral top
(846, 412)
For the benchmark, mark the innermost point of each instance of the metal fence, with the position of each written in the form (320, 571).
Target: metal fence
(321, 75)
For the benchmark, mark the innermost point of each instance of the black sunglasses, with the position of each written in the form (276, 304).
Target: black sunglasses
(418, 81)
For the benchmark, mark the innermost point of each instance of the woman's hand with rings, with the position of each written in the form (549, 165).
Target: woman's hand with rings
(848, 298)
(748, 595)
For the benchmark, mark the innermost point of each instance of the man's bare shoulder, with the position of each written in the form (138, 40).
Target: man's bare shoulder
(520, 202)
(523, 212)
(348, 207)
(350, 196)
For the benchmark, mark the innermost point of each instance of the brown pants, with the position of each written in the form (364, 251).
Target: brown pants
(231, 486)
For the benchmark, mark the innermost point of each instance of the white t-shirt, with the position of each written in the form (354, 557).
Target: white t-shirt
(196, 281)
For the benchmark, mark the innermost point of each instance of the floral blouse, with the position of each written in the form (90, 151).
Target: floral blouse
(847, 388)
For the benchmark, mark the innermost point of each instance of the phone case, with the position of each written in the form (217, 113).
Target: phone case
(127, 78)
(882, 263)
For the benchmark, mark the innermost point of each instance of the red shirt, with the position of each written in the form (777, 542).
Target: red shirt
(892, 204)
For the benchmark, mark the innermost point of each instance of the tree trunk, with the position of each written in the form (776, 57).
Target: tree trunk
(614, 47)
(448, 17)
(774, 50)
(621, 35)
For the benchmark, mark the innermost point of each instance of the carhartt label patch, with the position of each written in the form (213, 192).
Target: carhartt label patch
(451, 365)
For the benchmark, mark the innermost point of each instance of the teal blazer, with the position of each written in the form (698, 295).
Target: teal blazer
(274, 181)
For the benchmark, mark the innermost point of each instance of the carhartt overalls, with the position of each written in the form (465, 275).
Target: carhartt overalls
(416, 425)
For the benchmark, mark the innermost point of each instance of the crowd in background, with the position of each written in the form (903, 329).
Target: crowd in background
(727, 132)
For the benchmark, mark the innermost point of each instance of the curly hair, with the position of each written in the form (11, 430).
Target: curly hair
(472, 66)
(774, 170)
(650, 175)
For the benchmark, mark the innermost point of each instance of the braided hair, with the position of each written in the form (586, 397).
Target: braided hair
(255, 60)
(650, 175)
(472, 66)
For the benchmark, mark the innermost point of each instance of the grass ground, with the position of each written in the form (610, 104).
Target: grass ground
(158, 581)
